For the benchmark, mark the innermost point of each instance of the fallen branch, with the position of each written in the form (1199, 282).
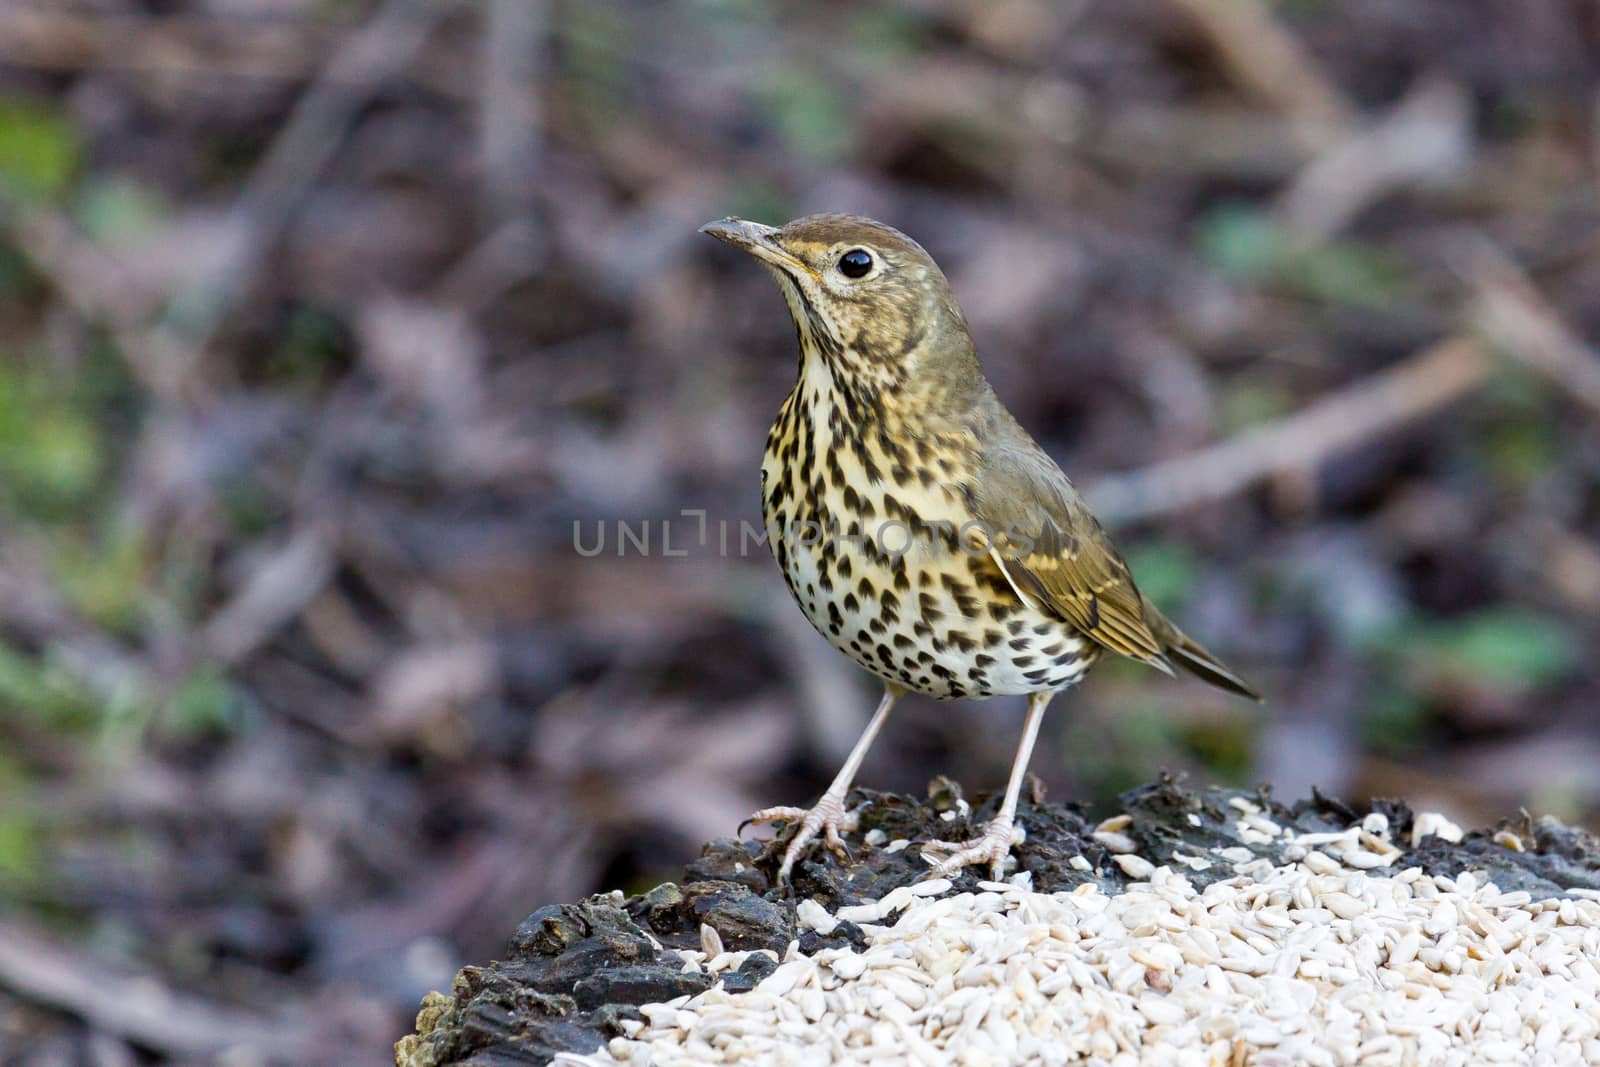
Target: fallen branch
(1423, 383)
(365, 61)
(513, 33)
(1426, 137)
(1267, 60)
(279, 587)
(1520, 322)
(137, 1007)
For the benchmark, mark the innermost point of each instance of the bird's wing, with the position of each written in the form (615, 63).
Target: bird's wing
(1053, 550)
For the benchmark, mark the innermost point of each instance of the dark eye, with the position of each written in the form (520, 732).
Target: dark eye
(855, 263)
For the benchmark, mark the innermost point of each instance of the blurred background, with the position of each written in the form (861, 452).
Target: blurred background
(338, 337)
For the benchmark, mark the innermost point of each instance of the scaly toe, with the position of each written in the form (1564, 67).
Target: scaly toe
(827, 818)
(770, 815)
(943, 846)
(835, 842)
(992, 847)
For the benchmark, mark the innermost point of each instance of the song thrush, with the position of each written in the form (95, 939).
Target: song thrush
(919, 527)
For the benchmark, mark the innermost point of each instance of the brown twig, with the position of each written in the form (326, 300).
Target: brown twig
(1519, 321)
(94, 282)
(513, 33)
(1265, 59)
(1423, 383)
(308, 141)
(277, 590)
(171, 46)
(135, 1006)
(195, 52)
(1427, 136)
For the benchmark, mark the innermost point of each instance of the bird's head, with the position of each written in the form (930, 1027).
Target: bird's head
(866, 299)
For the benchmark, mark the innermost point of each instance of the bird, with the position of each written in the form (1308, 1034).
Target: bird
(919, 527)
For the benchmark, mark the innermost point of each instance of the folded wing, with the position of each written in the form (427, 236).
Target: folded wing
(1055, 552)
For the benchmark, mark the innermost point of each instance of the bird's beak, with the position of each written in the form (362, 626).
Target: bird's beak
(756, 239)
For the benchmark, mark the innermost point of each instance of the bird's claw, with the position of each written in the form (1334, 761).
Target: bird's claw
(992, 847)
(828, 818)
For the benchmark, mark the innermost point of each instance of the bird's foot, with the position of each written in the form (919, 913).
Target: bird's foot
(992, 847)
(829, 817)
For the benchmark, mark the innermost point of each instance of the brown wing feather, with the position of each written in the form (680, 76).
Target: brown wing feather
(1061, 555)
(1087, 582)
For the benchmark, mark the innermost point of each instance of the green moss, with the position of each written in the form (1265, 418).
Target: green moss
(1116, 754)
(1518, 453)
(760, 201)
(808, 112)
(1243, 241)
(54, 431)
(104, 581)
(50, 453)
(1164, 572)
(38, 687)
(206, 702)
(886, 33)
(1252, 403)
(1502, 647)
(19, 848)
(40, 149)
(1393, 721)
(1225, 746)
(1239, 240)
(114, 208)
(314, 346)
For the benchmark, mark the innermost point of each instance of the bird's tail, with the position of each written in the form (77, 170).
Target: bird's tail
(1184, 651)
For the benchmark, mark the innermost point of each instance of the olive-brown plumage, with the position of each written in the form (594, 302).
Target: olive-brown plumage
(919, 527)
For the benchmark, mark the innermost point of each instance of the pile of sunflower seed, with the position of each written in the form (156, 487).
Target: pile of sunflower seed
(1327, 958)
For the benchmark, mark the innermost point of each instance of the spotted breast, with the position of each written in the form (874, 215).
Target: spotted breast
(874, 533)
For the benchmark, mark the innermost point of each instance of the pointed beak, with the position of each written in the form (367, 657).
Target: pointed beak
(758, 240)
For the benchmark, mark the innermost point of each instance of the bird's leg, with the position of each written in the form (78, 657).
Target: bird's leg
(1000, 833)
(829, 816)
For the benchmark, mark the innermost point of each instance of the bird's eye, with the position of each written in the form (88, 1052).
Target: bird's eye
(855, 263)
